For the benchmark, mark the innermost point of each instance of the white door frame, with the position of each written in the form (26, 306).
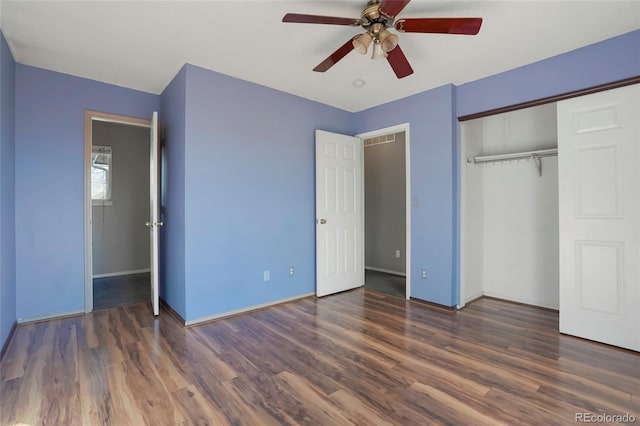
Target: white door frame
(404, 127)
(89, 118)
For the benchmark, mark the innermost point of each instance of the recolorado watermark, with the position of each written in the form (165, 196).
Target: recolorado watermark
(605, 418)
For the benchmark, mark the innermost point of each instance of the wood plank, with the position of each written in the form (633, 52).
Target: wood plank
(530, 409)
(13, 363)
(96, 400)
(9, 399)
(32, 397)
(123, 407)
(357, 411)
(196, 409)
(61, 388)
(450, 408)
(321, 410)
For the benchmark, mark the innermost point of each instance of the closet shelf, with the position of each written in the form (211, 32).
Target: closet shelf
(527, 155)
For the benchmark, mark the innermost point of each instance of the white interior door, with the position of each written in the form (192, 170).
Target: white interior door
(154, 222)
(339, 214)
(599, 190)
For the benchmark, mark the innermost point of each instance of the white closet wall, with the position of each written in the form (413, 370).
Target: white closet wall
(471, 214)
(509, 239)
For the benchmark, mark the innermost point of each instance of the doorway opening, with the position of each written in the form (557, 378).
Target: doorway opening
(386, 189)
(117, 199)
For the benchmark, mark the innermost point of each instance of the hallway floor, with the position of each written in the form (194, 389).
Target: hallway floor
(113, 292)
(387, 283)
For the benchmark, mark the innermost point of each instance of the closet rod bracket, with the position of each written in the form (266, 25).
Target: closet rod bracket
(538, 161)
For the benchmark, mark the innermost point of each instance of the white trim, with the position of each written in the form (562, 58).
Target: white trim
(121, 121)
(386, 271)
(88, 212)
(404, 127)
(89, 117)
(519, 300)
(384, 131)
(21, 321)
(245, 310)
(121, 273)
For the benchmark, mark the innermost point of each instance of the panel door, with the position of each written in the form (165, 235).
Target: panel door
(599, 190)
(339, 214)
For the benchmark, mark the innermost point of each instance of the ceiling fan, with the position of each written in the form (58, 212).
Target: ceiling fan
(375, 19)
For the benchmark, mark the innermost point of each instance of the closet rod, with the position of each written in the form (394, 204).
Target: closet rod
(514, 156)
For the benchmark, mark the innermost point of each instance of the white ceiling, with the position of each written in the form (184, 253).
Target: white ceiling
(142, 45)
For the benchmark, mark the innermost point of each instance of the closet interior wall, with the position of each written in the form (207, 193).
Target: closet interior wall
(509, 231)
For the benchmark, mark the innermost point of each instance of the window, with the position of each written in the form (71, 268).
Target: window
(101, 174)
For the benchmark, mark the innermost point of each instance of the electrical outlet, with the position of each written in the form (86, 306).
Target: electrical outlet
(398, 254)
(424, 273)
(291, 270)
(266, 275)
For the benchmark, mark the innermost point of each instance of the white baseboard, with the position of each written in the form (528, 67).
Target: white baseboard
(245, 310)
(117, 274)
(473, 296)
(49, 317)
(521, 300)
(386, 271)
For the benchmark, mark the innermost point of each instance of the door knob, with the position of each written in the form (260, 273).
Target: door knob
(323, 221)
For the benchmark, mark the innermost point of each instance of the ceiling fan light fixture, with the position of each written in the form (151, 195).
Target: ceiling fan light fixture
(362, 42)
(388, 41)
(378, 52)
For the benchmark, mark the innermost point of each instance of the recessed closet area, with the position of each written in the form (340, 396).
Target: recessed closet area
(509, 207)
(550, 211)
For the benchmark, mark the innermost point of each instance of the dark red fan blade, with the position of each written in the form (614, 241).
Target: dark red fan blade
(469, 26)
(399, 62)
(335, 57)
(393, 7)
(317, 19)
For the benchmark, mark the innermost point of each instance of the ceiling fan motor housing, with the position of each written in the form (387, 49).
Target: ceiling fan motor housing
(372, 15)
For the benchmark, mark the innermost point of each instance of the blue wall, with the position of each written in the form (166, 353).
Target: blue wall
(172, 234)
(7, 192)
(249, 197)
(609, 60)
(431, 118)
(49, 182)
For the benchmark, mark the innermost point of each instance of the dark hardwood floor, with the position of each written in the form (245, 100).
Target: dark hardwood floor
(360, 357)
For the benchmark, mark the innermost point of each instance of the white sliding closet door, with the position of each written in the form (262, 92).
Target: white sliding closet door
(599, 194)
